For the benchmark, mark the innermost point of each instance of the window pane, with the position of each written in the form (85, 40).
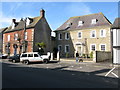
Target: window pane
(79, 35)
(24, 55)
(35, 55)
(59, 48)
(93, 47)
(103, 47)
(30, 55)
(67, 48)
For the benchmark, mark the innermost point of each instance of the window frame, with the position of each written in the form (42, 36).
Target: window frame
(68, 48)
(104, 33)
(67, 34)
(8, 38)
(59, 48)
(15, 36)
(80, 23)
(59, 36)
(93, 21)
(101, 48)
(91, 47)
(78, 35)
(26, 35)
(91, 33)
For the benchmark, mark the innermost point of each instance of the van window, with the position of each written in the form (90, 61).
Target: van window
(24, 55)
(36, 55)
(30, 55)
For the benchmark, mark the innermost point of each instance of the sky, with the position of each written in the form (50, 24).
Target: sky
(56, 13)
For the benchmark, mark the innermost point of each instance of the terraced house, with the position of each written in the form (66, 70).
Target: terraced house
(22, 36)
(84, 34)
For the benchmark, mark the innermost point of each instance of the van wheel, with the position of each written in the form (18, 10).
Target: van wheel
(26, 62)
(45, 61)
(13, 61)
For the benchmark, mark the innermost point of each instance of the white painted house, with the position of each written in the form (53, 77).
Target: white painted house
(116, 41)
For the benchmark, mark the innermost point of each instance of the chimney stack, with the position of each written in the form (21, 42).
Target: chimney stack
(42, 13)
(14, 20)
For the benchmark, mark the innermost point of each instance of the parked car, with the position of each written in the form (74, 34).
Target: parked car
(15, 58)
(3, 56)
(33, 57)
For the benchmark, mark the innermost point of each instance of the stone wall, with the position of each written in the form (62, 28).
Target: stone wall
(100, 56)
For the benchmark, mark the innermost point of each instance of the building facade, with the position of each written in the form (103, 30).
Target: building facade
(22, 36)
(116, 41)
(84, 34)
(1, 38)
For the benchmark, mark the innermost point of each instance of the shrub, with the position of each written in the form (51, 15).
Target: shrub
(91, 55)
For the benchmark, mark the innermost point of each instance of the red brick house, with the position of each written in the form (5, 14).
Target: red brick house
(22, 37)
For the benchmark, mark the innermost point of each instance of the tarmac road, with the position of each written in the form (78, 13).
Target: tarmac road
(22, 76)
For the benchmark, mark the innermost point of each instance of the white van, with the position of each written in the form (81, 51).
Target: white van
(33, 57)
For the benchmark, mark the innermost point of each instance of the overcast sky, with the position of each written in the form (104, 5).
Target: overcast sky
(56, 12)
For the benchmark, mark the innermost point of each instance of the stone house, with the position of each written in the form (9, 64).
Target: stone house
(84, 34)
(22, 36)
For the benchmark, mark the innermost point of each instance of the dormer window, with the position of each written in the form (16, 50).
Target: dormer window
(68, 24)
(94, 21)
(80, 23)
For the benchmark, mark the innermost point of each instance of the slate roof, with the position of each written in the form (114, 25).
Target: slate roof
(20, 25)
(116, 24)
(2, 29)
(101, 20)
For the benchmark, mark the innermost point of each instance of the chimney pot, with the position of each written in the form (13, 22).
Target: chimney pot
(42, 12)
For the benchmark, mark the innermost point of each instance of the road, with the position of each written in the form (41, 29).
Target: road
(25, 76)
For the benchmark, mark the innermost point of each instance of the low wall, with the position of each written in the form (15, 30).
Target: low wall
(99, 56)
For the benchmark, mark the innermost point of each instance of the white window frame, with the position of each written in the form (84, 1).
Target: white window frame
(8, 37)
(59, 36)
(80, 23)
(15, 36)
(65, 48)
(78, 35)
(101, 48)
(93, 21)
(59, 47)
(91, 47)
(104, 33)
(66, 36)
(92, 33)
(26, 35)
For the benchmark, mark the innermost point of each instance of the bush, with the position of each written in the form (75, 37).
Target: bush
(91, 55)
(67, 55)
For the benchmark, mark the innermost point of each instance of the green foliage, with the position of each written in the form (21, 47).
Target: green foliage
(67, 55)
(91, 55)
(41, 45)
(83, 55)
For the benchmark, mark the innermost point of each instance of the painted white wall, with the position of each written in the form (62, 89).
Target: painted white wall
(116, 37)
(116, 57)
(116, 42)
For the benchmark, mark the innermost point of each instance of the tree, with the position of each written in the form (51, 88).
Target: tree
(41, 47)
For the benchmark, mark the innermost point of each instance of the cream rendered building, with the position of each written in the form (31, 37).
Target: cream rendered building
(84, 34)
